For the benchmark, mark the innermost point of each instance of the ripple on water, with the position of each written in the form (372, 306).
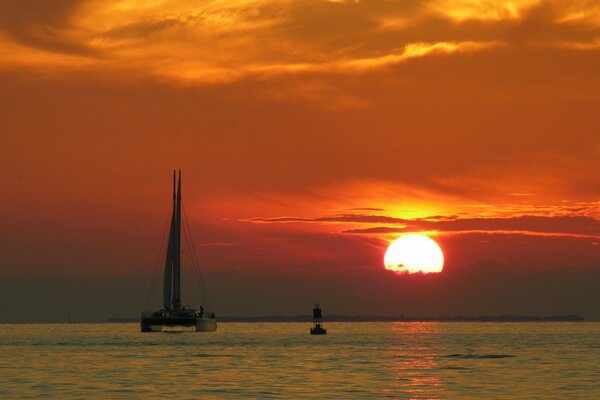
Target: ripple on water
(480, 356)
(394, 360)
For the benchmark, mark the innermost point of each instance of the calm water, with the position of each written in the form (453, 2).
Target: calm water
(260, 360)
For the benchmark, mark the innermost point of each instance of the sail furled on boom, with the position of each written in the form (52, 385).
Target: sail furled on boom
(172, 281)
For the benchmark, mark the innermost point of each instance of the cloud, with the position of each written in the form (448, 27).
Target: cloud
(219, 42)
(365, 209)
(411, 50)
(41, 24)
(575, 226)
(486, 10)
(334, 218)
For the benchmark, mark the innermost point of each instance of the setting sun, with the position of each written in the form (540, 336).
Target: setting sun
(414, 253)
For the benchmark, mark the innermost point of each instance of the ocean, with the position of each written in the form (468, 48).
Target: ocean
(431, 360)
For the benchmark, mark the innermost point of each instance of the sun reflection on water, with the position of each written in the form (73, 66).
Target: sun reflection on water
(414, 360)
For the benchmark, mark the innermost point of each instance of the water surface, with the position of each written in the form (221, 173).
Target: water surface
(281, 360)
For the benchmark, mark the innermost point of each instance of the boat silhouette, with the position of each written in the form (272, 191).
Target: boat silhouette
(174, 315)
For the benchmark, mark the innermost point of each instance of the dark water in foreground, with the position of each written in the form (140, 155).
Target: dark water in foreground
(281, 360)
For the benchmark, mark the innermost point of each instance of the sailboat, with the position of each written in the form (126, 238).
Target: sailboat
(174, 315)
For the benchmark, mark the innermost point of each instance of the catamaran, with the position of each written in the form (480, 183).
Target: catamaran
(174, 315)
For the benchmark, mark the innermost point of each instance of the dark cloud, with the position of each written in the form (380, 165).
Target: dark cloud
(578, 225)
(141, 30)
(42, 24)
(358, 218)
(365, 209)
(566, 224)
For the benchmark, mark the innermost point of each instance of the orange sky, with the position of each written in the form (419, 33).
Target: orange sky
(310, 134)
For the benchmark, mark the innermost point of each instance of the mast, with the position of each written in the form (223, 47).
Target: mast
(177, 251)
(168, 277)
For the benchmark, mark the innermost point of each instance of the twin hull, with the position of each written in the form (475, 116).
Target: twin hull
(178, 324)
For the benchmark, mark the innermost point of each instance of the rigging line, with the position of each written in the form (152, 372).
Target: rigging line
(194, 258)
(195, 262)
(158, 258)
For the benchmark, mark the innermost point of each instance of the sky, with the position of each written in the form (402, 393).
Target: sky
(310, 134)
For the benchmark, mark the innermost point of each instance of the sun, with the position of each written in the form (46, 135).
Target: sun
(414, 253)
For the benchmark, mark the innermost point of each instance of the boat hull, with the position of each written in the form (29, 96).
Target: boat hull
(206, 325)
(156, 323)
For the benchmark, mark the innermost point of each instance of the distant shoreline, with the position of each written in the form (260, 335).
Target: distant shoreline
(373, 318)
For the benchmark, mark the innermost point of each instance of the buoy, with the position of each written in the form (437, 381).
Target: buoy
(317, 328)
